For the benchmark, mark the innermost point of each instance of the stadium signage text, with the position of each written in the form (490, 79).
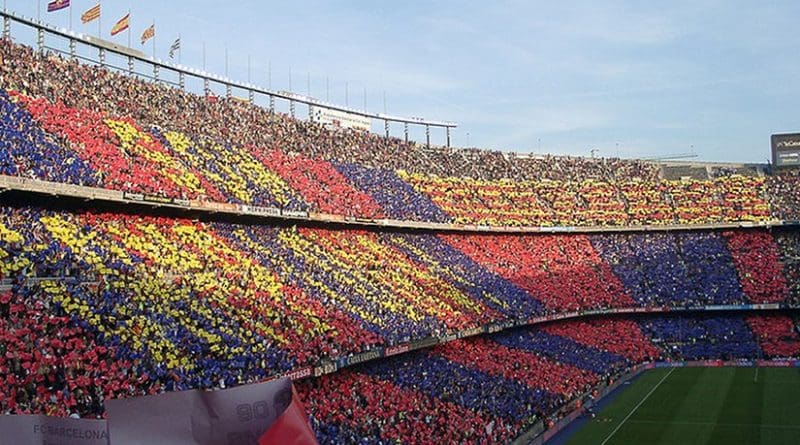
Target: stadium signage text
(300, 373)
(158, 199)
(785, 149)
(294, 213)
(363, 357)
(471, 332)
(218, 206)
(336, 118)
(450, 337)
(133, 196)
(256, 210)
(71, 432)
(39, 429)
(326, 368)
(394, 350)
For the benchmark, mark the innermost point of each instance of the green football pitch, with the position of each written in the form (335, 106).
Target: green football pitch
(680, 406)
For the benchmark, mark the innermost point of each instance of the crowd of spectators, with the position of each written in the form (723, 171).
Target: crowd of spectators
(96, 305)
(777, 335)
(789, 253)
(208, 304)
(783, 190)
(68, 122)
(564, 272)
(699, 268)
(498, 386)
(238, 123)
(703, 337)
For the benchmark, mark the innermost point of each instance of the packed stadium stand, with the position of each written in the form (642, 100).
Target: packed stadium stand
(468, 391)
(95, 132)
(101, 302)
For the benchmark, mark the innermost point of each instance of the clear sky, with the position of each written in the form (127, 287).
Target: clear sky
(633, 78)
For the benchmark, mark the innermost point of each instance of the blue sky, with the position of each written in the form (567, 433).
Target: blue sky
(633, 78)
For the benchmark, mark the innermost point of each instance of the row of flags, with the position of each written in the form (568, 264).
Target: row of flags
(122, 24)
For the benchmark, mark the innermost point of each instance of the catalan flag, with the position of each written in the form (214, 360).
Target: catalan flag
(56, 5)
(91, 14)
(121, 25)
(148, 34)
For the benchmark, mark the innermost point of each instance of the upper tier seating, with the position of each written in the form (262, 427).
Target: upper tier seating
(66, 122)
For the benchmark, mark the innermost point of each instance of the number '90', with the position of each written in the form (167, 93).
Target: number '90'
(247, 412)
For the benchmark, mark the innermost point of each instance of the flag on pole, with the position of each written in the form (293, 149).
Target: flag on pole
(148, 34)
(175, 46)
(56, 5)
(121, 25)
(91, 14)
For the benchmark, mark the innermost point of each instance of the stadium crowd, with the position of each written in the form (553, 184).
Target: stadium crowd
(173, 301)
(494, 388)
(68, 122)
(207, 304)
(106, 304)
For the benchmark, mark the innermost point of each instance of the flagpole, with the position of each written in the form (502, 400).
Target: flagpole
(180, 49)
(100, 19)
(129, 28)
(39, 11)
(154, 39)
(70, 16)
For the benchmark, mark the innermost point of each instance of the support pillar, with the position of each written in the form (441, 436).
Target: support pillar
(405, 130)
(386, 128)
(182, 80)
(40, 39)
(448, 136)
(428, 135)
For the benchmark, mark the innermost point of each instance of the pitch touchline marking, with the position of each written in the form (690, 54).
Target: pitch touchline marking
(681, 422)
(637, 407)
